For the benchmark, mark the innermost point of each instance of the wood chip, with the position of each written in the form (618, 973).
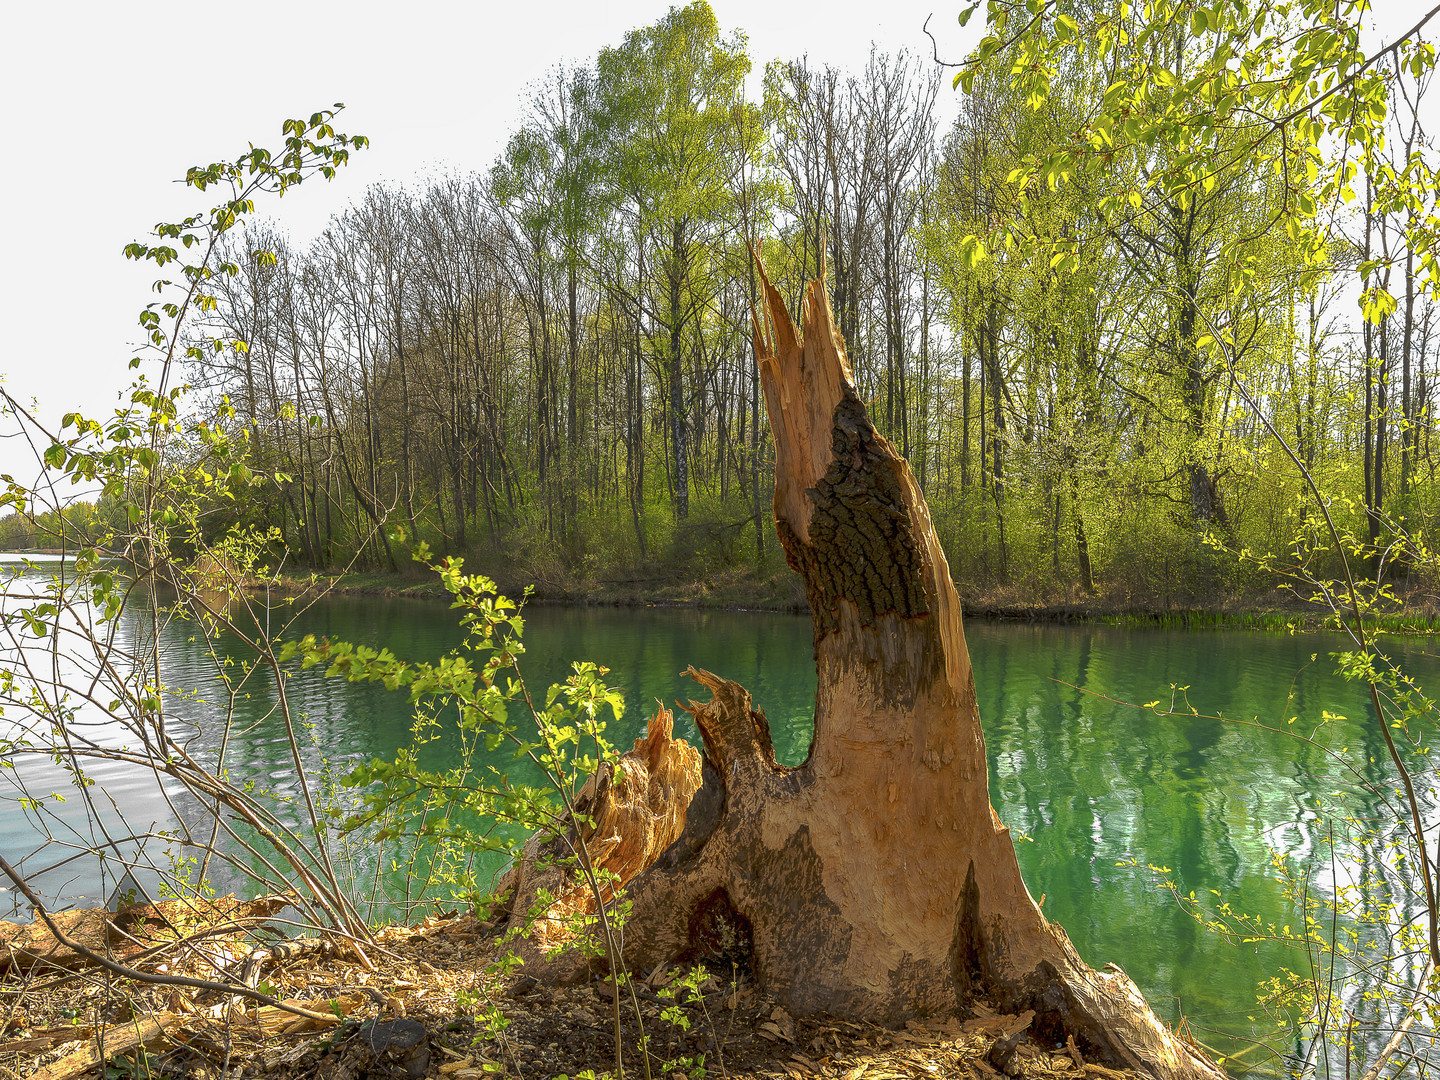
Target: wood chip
(910, 1039)
(1003, 1026)
(295, 1054)
(1074, 1052)
(117, 1039)
(785, 1023)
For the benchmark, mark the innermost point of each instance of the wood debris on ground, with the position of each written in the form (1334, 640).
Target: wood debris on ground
(141, 930)
(432, 1008)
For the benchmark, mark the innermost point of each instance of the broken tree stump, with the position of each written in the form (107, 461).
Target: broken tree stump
(874, 880)
(635, 809)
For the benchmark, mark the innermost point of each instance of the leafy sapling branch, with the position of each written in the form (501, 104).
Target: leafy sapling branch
(85, 681)
(473, 709)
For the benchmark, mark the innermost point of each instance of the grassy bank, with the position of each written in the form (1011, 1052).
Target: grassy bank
(743, 590)
(1309, 620)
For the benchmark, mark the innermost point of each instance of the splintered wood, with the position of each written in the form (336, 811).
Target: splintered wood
(640, 811)
(635, 810)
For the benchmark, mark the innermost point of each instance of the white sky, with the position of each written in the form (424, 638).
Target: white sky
(103, 105)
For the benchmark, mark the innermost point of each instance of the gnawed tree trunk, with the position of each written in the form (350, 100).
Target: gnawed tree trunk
(874, 880)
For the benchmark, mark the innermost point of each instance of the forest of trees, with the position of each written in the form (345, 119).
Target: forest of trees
(550, 366)
(81, 521)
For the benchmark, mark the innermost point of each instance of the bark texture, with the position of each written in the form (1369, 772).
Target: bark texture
(874, 880)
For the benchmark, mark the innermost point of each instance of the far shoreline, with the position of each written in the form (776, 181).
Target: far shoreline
(742, 591)
(1290, 616)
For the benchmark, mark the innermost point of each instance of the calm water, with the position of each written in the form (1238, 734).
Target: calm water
(1088, 783)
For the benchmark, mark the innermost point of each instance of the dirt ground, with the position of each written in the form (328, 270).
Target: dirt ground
(427, 1002)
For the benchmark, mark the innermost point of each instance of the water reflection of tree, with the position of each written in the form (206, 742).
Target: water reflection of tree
(1094, 782)
(76, 817)
(1380, 895)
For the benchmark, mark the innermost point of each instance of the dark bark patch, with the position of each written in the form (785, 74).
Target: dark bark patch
(720, 937)
(917, 989)
(1049, 1028)
(861, 545)
(967, 946)
(1058, 1014)
(802, 939)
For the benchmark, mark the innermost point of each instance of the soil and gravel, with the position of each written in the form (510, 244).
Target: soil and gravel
(427, 1001)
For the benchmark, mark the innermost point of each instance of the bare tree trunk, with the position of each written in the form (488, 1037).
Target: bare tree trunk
(1082, 541)
(679, 429)
(806, 871)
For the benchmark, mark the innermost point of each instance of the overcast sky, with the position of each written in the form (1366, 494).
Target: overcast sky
(105, 104)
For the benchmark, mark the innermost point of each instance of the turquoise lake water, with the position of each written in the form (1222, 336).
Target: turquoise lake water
(1088, 783)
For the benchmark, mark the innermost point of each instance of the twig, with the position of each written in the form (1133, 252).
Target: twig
(145, 976)
(1404, 1026)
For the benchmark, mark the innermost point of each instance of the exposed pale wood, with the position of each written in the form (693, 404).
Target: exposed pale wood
(635, 810)
(146, 1031)
(874, 880)
(259, 956)
(271, 1020)
(638, 809)
(46, 1039)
